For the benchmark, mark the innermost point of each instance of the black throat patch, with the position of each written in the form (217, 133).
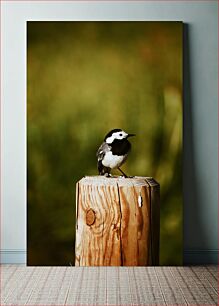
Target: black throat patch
(120, 147)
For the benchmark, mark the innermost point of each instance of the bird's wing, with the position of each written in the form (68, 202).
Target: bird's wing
(102, 151)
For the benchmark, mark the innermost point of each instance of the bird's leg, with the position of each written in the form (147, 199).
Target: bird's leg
(122, 172)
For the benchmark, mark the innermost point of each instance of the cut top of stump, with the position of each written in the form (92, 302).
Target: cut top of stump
(118, 180)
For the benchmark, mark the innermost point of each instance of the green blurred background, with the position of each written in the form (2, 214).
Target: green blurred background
(84, 79)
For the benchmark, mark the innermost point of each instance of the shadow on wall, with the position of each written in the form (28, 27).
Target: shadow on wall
(192, 223)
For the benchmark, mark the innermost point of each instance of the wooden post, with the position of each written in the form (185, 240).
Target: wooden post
(118, 221)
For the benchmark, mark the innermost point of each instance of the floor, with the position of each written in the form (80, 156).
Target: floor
(23, 285)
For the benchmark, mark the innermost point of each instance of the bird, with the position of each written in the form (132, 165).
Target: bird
(113, 152)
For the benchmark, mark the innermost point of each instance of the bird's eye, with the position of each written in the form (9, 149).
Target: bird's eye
(120, 134)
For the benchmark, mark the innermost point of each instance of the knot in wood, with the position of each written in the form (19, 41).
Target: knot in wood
(90, 217)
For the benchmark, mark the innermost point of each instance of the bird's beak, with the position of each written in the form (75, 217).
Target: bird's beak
(130, 135)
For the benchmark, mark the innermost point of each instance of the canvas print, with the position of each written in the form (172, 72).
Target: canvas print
(104, 143)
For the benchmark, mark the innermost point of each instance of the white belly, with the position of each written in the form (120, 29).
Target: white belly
(113, 161)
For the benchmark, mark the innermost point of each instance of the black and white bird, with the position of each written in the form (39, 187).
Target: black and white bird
(113, 152)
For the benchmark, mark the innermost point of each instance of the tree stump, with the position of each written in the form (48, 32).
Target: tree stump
(118, 221)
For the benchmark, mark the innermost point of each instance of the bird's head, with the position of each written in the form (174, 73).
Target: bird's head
(116, 134)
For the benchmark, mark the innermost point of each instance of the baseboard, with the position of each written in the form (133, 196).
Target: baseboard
(200, 257)
(13, 256)
(191, 257)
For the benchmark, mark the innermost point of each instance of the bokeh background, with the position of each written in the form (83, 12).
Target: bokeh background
(84, 79)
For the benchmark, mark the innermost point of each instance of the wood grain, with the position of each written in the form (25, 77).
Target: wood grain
(155, 220)
(154, 195)
(113, 221)
(135, 222)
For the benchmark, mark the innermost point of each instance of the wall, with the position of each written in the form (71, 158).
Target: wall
(200, 112)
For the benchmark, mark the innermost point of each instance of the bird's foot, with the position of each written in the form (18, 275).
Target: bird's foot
(107, 175)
